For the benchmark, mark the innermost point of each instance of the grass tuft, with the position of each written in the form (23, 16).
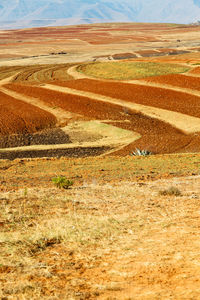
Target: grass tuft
(171, 191)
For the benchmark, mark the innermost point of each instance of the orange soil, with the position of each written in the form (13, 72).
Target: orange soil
(19, 117)
(177, 80)
(167, 50)
(157, 136)
(195, 70)
(146, 95)
(148, 52)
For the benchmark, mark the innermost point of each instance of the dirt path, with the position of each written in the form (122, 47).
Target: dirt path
(183, 122)
(75, 74)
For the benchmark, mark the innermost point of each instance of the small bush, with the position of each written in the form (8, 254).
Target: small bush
(139, 152)
(62, 182)
(172, 191)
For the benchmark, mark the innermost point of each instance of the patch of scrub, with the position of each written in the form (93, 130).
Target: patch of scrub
(129, 70)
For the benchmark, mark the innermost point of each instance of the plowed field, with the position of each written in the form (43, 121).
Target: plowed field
(19, 117)
(46, 73)
(157, 136)
(146, 95)
(195, 71)
(177, 80)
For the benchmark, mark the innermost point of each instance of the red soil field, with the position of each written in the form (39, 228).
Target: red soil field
(157, 136)
(148, 53)
(195, 71)
(146, 95)
(177, 80)
(19, 117)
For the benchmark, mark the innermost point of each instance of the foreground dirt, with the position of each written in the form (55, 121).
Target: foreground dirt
(111, 236)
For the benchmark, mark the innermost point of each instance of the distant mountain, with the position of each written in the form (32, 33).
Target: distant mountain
(27, 13)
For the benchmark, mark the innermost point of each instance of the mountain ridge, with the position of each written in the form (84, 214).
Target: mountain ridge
(25, 13)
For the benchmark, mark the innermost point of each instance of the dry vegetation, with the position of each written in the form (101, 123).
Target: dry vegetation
(37, 74)
(44, 74)
(101, 239)
(129, 70)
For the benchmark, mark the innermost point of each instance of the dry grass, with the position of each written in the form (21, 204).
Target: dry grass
(129, 70)
(171, 191)
(100, 241)
(37, 73)
(45, 73)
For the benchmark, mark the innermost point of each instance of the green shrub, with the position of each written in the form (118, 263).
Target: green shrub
(62, 182)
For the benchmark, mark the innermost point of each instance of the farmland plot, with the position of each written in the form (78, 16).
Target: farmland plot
(178, 80)
(45, 73)
(145, 95)
(19, 117)
(158, 136)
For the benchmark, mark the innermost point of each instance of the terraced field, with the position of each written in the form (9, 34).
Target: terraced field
(147, 101)
(145, 95)
(167, 120)
(19, 117)
(179, 80)
(37, 74)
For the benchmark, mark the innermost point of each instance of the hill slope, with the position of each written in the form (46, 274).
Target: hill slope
(25, 13)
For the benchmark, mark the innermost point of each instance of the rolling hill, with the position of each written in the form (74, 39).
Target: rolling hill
(24, 13)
